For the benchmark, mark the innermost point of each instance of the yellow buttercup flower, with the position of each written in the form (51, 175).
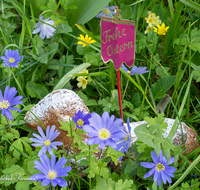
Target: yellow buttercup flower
(161, 30)
(82, 82)
(86, 39)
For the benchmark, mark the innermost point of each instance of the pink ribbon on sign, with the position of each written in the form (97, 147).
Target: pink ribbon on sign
(118, 41)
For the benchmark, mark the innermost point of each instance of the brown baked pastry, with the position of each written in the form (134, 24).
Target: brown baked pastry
(62, 104)
(59, 105)
(190, 136)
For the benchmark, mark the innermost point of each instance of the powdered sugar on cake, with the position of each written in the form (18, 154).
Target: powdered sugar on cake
(169, 121)
(62, 100)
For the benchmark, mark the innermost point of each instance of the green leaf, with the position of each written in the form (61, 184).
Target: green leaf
(162, 85)
(194, 42)
(95, 166)
(23, 185)
(36, 90)
(64, 126)
(87, 102)
(19, 146)
(154, 186)
(114, 155)
(123, 185)
(85, 11)
(36, 4)
(191, 4)
(68, 76)
(68, 4)
(16, 133)
(111, 104)
(94, 59)
(14, 169)
(112, 185)
(9, 161)
(52, 47)
(147, 135)
(152, 135)
(26, 145)
(126, 12)
(38, 186)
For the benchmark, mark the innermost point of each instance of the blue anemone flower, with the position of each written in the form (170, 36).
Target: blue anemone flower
(11, 58)
(160, 168)
(107, 12)
(46, 141)
(44, 29)
(135, 69)
(104, 130)
(8, 101)
(81, 119)
(125, 142)
(51, 171)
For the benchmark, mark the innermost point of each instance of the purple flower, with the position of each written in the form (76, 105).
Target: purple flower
(160, 168)
(104, 130)
(135, 69)
(106, 12)
(51, 171)
(81, 119)
(125, 142)
(11, 58)
(44, 29)
(8, 101)
(46, 141)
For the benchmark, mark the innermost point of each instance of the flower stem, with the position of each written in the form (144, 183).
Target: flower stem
(70, 144)
(71, 126)
(83, 55)
(89, 169)
(125, 89)
(101, 165)
(8, 123)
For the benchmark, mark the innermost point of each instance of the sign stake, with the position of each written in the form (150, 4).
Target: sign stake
(118, 44)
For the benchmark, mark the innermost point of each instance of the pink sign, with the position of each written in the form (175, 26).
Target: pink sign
(118, 41)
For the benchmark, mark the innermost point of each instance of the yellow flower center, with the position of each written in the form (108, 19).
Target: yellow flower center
(4, 104)
(129, 72)
(105, 11)
(52, 175)
(47, 142)
(12, 60)
(126, 138)
(80, 122)
(149, 28)
(150, 20)
(160, 167)
(104, 134)
(84, 81)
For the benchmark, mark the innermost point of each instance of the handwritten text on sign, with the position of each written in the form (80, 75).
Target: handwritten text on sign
(118, 41)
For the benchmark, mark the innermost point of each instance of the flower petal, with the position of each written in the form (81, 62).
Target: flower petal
(147, 164)
(151, 172)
